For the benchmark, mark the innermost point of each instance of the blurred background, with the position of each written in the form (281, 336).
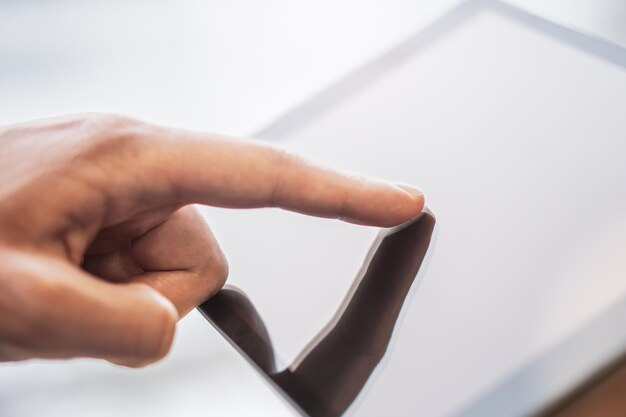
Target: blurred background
(225, 66)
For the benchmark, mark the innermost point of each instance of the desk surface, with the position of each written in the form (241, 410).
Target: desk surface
(604, 396)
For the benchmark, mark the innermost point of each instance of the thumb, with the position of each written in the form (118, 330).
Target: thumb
(52, 309)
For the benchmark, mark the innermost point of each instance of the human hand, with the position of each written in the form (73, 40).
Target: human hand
(101, 252)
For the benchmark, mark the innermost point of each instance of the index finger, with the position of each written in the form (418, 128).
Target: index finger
(189, 167)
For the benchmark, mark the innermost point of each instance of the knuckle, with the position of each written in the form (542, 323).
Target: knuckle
(111, 140)
(284, 164)
(278, 154)
(214, 267)
(284, 158)
(221, 270)
(214, 273)
(357, 180)
(109, 121)
(113, 130)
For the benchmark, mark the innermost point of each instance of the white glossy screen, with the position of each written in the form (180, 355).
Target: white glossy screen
(519, 142)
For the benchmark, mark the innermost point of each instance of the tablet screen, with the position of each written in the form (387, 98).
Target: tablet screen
(517, 137)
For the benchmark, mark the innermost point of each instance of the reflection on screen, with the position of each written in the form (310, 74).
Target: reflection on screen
(332, 370)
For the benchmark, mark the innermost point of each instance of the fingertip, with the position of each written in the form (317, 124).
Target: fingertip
(156, 333)
(164, 302)
(393, 205)
(411, 205)
(383, 204)
(416, 197)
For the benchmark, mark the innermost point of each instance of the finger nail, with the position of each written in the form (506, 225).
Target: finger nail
(413, 191)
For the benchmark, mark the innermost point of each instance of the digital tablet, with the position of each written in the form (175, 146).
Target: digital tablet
(503, 297)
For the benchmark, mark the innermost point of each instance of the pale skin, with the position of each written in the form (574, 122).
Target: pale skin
(101, 251)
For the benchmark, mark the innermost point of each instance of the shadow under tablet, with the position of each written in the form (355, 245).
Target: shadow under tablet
(333, 369)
